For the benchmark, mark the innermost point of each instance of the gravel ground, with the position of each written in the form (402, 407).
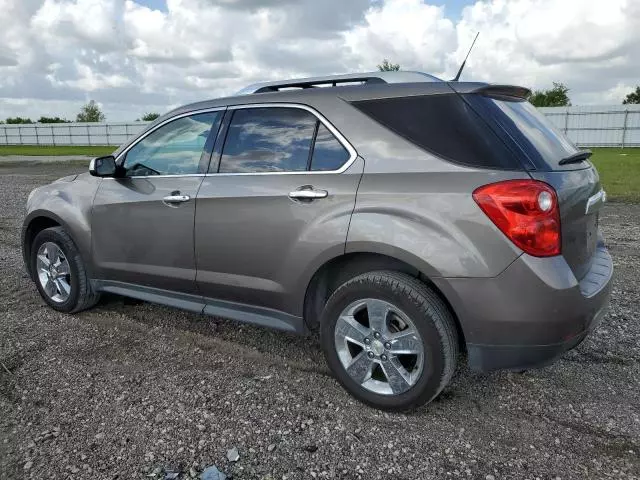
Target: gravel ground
(130, 388)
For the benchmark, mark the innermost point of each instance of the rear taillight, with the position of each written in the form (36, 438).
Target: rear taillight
(526, 211)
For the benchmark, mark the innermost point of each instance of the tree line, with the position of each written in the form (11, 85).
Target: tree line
(557, 96)
(90, 112)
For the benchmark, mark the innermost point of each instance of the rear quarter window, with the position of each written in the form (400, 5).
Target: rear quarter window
(542, 143)
(444, 125)
(328, 153)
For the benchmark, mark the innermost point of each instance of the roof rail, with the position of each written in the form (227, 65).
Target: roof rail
(335, 80)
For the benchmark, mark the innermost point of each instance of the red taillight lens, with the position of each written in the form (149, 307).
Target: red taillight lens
(526, 211)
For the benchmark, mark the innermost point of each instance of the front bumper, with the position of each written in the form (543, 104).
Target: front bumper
(531, 313)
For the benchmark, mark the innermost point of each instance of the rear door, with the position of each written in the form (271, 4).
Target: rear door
(142, 223)
(275, 205)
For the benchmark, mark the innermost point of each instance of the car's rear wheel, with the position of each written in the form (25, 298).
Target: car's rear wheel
(59, 272)
(389, 339)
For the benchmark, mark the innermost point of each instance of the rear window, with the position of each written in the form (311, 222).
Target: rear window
(539, 139)
(445, 125)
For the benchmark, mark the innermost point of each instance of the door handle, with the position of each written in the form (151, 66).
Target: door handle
(308, 194)
(176, 198)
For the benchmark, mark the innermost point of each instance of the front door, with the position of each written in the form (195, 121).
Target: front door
(277, 203)
(142, 223)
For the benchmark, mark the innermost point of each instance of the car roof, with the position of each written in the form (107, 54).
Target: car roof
(350, 87)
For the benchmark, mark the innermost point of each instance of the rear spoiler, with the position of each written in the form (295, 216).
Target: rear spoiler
(504, 91)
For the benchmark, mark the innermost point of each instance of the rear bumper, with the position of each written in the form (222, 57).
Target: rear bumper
(531, 313)
(518, 357)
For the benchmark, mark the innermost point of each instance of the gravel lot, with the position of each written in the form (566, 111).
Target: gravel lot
(128, 387)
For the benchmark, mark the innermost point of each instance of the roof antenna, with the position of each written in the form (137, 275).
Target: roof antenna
(465, 59)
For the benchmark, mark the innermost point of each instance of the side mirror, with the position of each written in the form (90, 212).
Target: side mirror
(103, 166)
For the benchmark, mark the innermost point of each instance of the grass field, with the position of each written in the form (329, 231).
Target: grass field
(619, 170)
(619, 167)
(50, 151)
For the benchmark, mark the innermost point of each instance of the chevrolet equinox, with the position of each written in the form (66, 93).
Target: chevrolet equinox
(406, 218)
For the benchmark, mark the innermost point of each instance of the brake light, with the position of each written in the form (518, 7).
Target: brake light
(526, 211)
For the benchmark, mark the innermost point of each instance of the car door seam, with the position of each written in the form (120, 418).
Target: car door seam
(355, 202)
(93, 203)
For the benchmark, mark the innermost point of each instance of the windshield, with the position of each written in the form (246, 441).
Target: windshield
(540, 140)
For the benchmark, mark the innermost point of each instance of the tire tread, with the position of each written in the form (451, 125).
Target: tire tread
(427, 301)
(86, 298)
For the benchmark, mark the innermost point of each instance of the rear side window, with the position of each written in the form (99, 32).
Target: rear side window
(268, 140)
(280, 139)
(444, 125)
(328, 152)
(542, 143)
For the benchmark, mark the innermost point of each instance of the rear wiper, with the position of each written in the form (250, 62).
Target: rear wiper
(577, 157)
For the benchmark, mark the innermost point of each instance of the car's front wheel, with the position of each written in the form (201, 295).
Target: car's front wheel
(59, 272)
(389, 339)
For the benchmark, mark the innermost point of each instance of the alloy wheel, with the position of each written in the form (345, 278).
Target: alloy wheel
(54, 273)
(379, 346)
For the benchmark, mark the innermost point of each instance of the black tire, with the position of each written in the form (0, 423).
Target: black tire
(431, 318)
(81, 296)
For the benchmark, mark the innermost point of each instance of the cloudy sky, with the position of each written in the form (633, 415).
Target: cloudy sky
(137, 56)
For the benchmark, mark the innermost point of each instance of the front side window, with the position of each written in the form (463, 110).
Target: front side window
(268, 139)
(174, 148)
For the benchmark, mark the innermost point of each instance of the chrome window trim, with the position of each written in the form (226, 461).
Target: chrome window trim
(161, 124)
(343, 141)
(177, 175)
(336, 133)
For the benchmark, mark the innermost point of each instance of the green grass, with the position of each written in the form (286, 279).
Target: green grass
(619, 170)
(50, 150)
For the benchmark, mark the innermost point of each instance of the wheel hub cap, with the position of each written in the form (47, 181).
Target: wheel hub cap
(379, 346)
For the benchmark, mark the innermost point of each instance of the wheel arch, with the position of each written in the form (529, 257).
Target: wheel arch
(35, 222)
(338, 270)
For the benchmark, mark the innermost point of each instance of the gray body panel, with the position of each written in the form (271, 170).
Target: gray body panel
(431, 222)
(243, 249)
(137, 238)
(69, 204)
(532, 312)
(256, 245)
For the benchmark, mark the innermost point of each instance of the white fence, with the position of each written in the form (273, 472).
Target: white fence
(598, 126)
(69, 133)
(591, 126)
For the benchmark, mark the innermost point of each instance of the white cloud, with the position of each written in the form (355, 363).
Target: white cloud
(59, 53)
(409, 32)
(90, 81)
(63, 24)
(535, 42)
